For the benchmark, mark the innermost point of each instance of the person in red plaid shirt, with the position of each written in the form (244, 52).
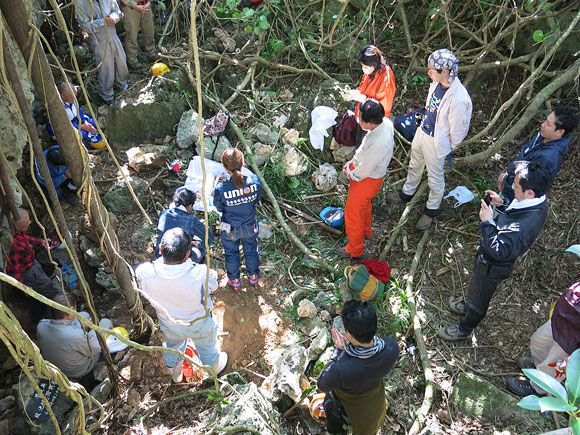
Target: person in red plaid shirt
(23, 266)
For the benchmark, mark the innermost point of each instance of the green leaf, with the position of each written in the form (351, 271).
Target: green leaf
(264, 24)
(530, 402)
(538, 35)
(248, 29)
(555, 404)
(575, 425)
(258, 31)
(294, 182)
(573, 376)
(547, 382)
(242, 320)
(162, 6)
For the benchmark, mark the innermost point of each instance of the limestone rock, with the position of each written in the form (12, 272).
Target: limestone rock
(100, 393)
(265, 230)
(323, 359)
(142, 160)
(290, 137)
(188, 134)
(306, 309)
(311, 327)
(344, 291)
(294, 163)
(287, 370)
(475, 396)
(337, 324)
(325, 177)
(319, 344)
(105, 279)
(262, 152)
(325, 316)
(119, 200)
(266, 135)
(343, 153)
(93, 255)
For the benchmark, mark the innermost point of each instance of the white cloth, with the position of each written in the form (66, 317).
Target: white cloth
(424, 154)
(453, 117)
(530, 202)
(375, 152)
(213, 171)
(323, 117)
(176, 291)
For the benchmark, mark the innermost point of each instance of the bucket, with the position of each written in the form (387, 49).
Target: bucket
(186, 367)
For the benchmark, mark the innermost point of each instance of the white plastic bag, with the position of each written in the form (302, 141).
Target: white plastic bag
(323, 117)
(462, 194)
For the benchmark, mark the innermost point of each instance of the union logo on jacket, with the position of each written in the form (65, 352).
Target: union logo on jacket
(238, 206)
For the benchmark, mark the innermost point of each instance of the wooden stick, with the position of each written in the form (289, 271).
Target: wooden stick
(310, 218)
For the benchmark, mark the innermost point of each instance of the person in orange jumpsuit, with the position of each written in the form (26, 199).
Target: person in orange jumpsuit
(366, 172)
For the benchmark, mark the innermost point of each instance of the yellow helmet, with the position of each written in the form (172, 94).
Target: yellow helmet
(159, 69)
(316, 408)
(98, 145)
(119, 330)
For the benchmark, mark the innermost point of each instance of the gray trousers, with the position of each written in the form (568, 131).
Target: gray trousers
(36, 279)
(135, 21)
(110, 59)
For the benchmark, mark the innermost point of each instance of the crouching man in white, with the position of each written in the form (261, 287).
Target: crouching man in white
(175, 286)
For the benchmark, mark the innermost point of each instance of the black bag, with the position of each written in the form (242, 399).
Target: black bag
(407, 124)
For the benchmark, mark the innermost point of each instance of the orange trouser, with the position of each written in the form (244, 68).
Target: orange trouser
(358, 213)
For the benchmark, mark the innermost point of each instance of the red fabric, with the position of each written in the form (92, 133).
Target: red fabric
(379, 269)
(382, 87)
(358, 213)
(22, 254)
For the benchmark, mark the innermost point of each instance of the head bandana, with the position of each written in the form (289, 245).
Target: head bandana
(445, 59)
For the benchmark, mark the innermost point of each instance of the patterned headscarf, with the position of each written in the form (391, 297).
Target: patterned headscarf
(445, 59)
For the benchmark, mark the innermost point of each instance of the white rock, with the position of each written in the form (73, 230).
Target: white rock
(325, 177)
(262, 152)
(343, 153)
(294, 163)
(306, 309)
(266, 135)
(290, 137)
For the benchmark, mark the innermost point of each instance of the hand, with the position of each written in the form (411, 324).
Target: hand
(486, 212)
(361, 98)
(195, 243)
(500, 184)
(495, 198)
(110, 21)
(351, 94)
(142, 8)
(85, 126)
(340, 341)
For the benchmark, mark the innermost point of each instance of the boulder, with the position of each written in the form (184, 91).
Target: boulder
(323, 359)
(319, 344)
(293, 162)
(343, 153)
(337, 324)
(290, 137)
(306, 309)
(266, 135)
(325, 177)
(188, 135)
(247, 407)
(119, 200)
(93, 255)
(151, 114)
(261, 152)
(311, 327)
(105, 278)
(287, 371)
(144, 160)
(477, 397)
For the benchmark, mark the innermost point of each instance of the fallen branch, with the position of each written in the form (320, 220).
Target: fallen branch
(395, 231)
(309, 218)
(420, 340)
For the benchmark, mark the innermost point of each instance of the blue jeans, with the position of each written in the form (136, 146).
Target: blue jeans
(204, 336)
(248, 234)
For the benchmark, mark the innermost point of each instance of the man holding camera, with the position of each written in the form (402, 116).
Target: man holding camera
(503, 240)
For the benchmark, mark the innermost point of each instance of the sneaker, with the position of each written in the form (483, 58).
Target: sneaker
(221, 364)
(525, 362)
(424, 222)
(235, 283)
(521, 387)
(253, 280)
(394, 198)
(453, 333)
(457, 307)
(177, 373)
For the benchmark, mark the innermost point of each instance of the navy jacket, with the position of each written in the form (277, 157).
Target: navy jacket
(56, 173)
(238, 206)
(511, 233)
(551, 154)
(177, 218)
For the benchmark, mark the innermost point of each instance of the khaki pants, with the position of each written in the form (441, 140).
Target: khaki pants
(547, 354)
(424, 154)
(135, 21)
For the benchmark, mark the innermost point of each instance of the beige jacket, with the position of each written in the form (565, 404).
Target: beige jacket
(453, 117)
(374, 154)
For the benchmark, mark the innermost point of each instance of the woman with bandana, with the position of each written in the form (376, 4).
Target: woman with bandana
(378, 82)
(444, 125)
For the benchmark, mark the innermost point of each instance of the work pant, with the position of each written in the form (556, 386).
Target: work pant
(38, 280)
(248, 234)
(424, 154)
(485, 278)
(110, 59)
(203, 333)
(358, 213)
(135, 21)
(336, 418)
(547, 354)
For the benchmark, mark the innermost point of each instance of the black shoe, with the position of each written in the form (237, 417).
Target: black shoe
(453, 333)
(521, 387)
(525, 362)
(342, 253)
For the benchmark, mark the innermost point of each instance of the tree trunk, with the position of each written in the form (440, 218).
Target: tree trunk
(17, 16)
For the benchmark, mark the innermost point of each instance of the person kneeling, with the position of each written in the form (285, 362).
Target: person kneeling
(353, 379)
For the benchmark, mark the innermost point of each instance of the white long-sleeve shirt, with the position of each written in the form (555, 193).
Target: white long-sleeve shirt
(375, 152)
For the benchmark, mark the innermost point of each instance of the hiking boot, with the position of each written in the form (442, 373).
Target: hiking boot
(453, 333)
(521, 387)
(394, 198)
(457, 307)
(152, 57)
(177, 373)
(525, 362)
(135, 65)
(253, 280)
(235, 283)
(221, 364)
(424, 222)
